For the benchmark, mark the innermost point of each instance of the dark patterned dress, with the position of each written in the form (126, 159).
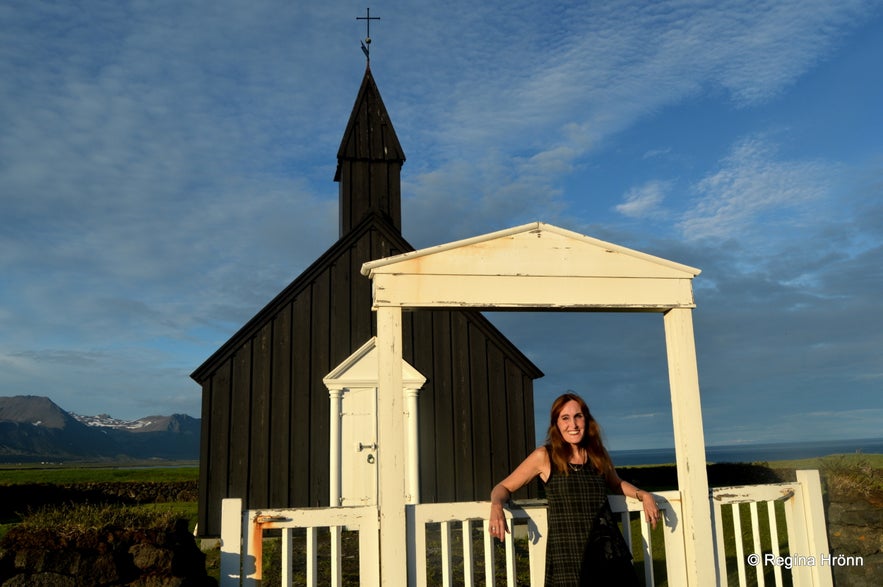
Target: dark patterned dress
(575, 554)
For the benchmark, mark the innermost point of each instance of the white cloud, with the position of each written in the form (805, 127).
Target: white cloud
(753, 185)
(645, 200)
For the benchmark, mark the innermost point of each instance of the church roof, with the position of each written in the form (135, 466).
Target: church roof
(369, 134)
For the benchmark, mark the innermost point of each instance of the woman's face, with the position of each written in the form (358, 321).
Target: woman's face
(572, 422)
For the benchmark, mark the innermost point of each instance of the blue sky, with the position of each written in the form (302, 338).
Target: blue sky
(166, 169)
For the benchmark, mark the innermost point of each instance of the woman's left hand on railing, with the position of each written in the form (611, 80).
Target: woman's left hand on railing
(497, 523)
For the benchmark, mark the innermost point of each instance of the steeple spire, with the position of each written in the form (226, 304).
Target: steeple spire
(369, 162)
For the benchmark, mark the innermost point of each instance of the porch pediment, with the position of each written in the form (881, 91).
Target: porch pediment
(533, 265)
(360, 369)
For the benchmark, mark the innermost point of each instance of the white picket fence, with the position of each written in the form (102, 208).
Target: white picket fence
(444, 539)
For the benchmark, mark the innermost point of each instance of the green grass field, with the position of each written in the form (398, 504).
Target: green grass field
(62, 475)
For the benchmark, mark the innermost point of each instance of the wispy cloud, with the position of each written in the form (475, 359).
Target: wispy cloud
(754, 184)
(645, 200)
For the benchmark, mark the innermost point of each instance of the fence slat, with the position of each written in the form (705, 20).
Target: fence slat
(774, 539)
(287, 555)
(446, 554)
(647, 549)
(740, 548)
(312, 539)
(468, 579)
(755, 537)
(488, 554)
(231, 541)
(336, 570)
(510, 557)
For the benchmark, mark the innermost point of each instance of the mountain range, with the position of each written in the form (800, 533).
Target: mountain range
(34, 429)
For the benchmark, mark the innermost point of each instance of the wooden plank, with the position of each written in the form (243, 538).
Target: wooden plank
(494, 291)
(259, 446)
(280, 400)
(205, 456)
(520, 442)
(320, 366)
(529, 432)
(441, 379)
(422, 323)
(240, 405)
(218, 474)
(361, 315)
(462, 447)
(480, 418)
(501, 407)
(299, 482)
(340, 344)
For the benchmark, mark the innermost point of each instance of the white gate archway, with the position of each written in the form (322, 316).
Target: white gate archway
(538, 266)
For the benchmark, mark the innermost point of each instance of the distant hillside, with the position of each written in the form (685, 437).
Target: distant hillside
(34, 428)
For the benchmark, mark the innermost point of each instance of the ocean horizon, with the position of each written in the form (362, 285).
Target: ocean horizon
(752, 453)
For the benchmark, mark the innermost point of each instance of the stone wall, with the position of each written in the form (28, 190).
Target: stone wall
(855, 529)
(103, 557)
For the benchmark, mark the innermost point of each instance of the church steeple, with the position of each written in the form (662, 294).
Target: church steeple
(369, 162)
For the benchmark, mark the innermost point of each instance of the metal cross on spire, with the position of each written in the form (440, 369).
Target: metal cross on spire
(366, 44)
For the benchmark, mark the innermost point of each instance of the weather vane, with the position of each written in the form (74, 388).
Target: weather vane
(366, 44)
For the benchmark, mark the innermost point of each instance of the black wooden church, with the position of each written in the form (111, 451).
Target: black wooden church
(265, 409)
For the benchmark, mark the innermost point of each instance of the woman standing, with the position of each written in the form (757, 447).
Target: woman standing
(584, 545)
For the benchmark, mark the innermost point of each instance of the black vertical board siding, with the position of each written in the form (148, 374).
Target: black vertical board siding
(423, 353)
(320, 365)
(280, 401)
(462, 448)
(500, 446)
(299, 481)
(529, 434)
(239, 422)
(361, 315)
(481, 415)
(345, 199)
(340, 345)
(359, 175)
(521, 444)
(440, 375)
(205, 454)
(259, 449)
(216, 472)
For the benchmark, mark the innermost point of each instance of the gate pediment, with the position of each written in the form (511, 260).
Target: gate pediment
(533, 265)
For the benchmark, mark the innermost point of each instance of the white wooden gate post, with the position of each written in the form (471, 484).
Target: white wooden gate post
(391, 449)
(689, 447)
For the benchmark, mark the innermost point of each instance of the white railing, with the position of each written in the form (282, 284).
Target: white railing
(801, 553)
(528, 522)
(449, 543)
(242, 534)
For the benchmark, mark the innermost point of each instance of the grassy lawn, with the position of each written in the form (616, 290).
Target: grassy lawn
(61, 475)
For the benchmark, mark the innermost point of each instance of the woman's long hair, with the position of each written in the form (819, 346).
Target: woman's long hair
(559, 449)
